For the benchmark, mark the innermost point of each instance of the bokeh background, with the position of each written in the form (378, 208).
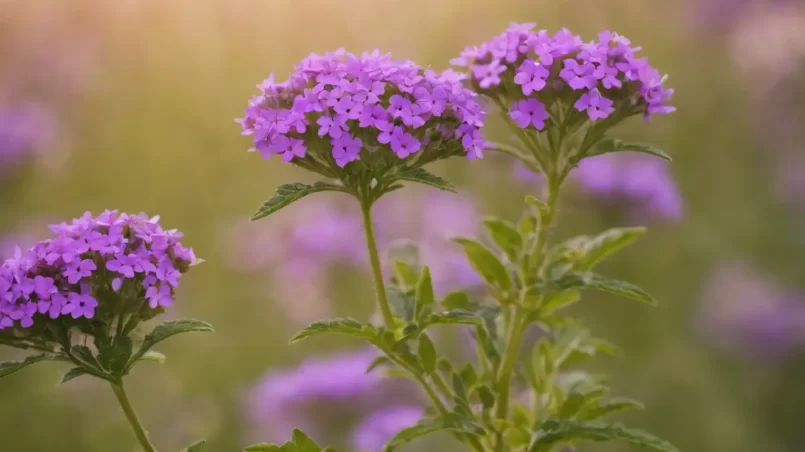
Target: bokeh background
(130, 105)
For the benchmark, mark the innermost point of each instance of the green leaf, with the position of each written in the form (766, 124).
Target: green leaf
(154, 356)
(74, 373)
(198, 446)
(286, 194)
(558, 301)
(609, 406)
(453, 317)
(379, 361)
(83, 354)
(405, 273)
(598, 248)
(427, 354)
(457, 300)
(348, 326)
(486, 264)
(609, 145)
(450, 422)
(164, 331)
(402, 304)
(422, 176)
(424, 291)
(303, 442)
(560, 432)
(299, 442)
(9, 367)
(541, 206)
(115, 357)
(505, 236)
(602, 283)
(487, 397)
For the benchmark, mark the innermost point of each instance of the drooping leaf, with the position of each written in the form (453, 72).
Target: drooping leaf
(164, 331)
(450, 422)
(74, 373)
(348, 326)
(564, 431)
(605, 244)
(486, 264)
(9, 367)
(609, 145)
(453, 316)
(287, 194)
(427, 354)
(609, 406)
(422, 176)
(198, 446)
(505, 236)
(602, 283)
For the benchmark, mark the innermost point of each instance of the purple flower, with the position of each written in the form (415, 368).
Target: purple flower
(159, 295)
(379, 427)
(79, 269)
(531, 76)
(597, 106)
(346, 149)
(81, 304)
(332, 126)
(529, 112)
(404, 144)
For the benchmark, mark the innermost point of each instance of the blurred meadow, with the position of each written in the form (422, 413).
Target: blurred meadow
(130, 104)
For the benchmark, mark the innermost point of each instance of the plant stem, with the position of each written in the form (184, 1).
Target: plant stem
(374, 258)
(139, 431)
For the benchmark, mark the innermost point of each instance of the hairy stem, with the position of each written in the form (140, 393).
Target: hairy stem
(374, 258)
(131, 416)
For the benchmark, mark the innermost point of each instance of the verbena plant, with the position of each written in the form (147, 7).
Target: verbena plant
(368, 125)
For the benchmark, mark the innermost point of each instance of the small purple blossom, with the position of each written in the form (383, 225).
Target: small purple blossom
(529, 112)
(531, 76)
(597, 106)
(346, 149)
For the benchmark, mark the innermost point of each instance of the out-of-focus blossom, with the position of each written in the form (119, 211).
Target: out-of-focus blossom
(380, 426)
(25, 130)
(745, 312)
(322, 391)
(643, 183)
(721, 16)
(338, 106)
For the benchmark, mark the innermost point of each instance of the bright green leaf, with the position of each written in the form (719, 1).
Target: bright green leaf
(348, 326)
(450, 422)
(505, 236)
(609, 145)
(457, 300)
(609, 406)
(602, 283)
(558, 301)
(286, 194)
(406, 274)
(427, 354)
(424, 291)
(154, 356)
(422, 176)
(379, 361)
(486, 264)
(557, 432)
(198, 446)
(166, 330)
(9, 367)
(598, 248)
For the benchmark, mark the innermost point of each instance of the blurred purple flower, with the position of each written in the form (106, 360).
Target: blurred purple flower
(644, 182)
(381, 426)
(320, 391)
(747, 313)
(24, 131)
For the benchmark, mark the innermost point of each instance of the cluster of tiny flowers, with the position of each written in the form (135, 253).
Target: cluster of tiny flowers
(339, 103)
(533, 68)
(65, 275)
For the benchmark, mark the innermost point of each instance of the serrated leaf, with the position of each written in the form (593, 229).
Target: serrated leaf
(602, 283)
(610, 145)
(609, 406)
(422, 176)
(115, 357)
(348, 326)
(453, 316)
(197, 446)
(287, 194)
(598, 248)
(10, 367)
(486, 264)
(165, 331)
(505, 236)
(450, 422)
(557, 432)
(427, 354)
(457, 300)
(74, 373)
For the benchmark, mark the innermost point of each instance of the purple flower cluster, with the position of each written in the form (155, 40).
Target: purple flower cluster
(748, 313)
(90, 257)
(338, 104)
(322, 391)
(379, 427)
(533, 69)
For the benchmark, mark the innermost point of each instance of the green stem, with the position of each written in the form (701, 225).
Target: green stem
(374, 258)
(139, 431)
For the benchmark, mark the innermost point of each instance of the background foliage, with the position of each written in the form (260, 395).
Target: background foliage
(151, 130)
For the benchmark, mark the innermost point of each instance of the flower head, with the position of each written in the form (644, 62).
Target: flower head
(339, 109)
(599, 79)
(90, 266)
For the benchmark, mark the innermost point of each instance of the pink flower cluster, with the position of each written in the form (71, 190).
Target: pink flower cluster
(87, 260)
(532, 69)
(339, 104)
